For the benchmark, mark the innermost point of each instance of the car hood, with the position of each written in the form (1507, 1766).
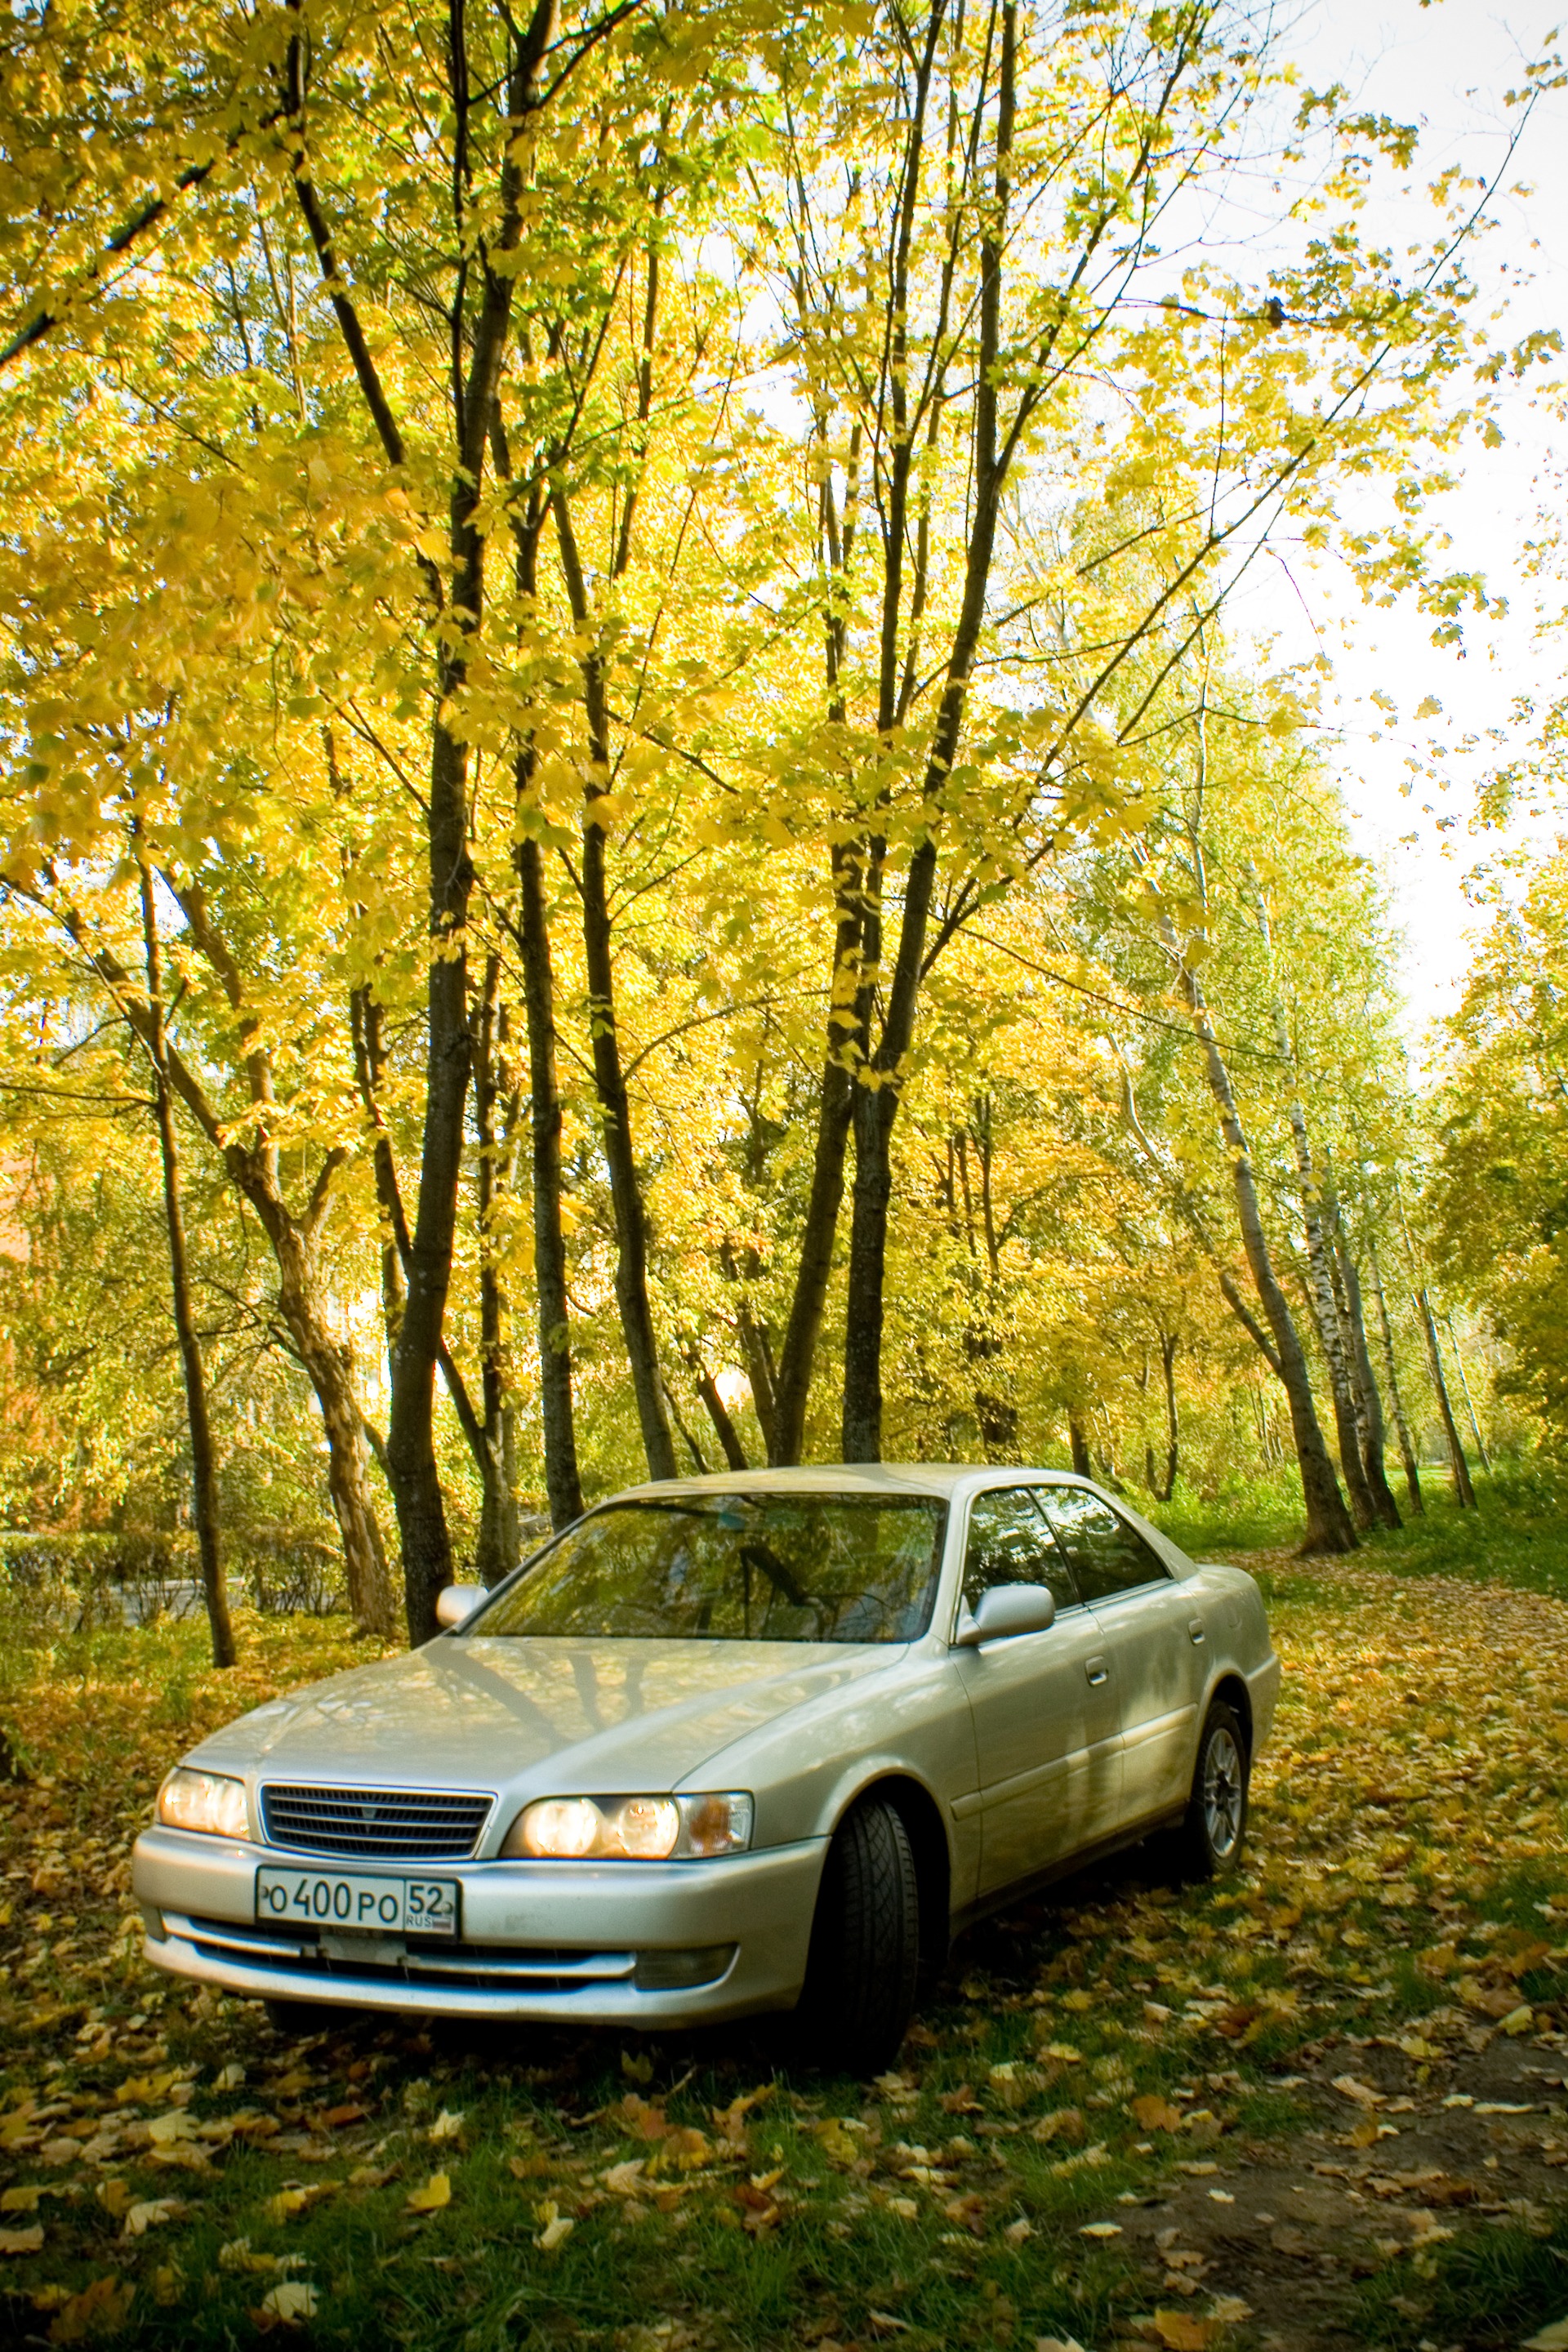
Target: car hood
(540, 1716)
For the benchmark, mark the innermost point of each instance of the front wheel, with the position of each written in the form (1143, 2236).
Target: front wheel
(1214, 1828)
(860, 1976)
(299, 2018)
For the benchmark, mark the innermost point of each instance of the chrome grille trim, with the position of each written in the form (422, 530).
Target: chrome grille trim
(541, 1968)
(375, 1824)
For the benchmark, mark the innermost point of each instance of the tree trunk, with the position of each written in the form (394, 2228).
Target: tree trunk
(814, 1265)
(699, 1460)
(1369, 1404)
(366, 1029)
(1406, 1450)
(254, 1170)
(329, 1366)
(365, 1024)
(410, 1438)
(1081, 1464)
(1163, 1489)
(865, 1097)
(760, 1372)
(1464, 1493)
(874, 1111)
(626, 1184)
(562, 1481)
(496, 1555)
(1325, 1310)
(609, 1077)
(204, 1461)
(718, 1413)
(480, 342)
(1328, 1527)
(877, 1089)
(1481, 1453)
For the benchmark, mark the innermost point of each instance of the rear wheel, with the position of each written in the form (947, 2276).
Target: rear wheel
(865, 1954)
(1213, 1830)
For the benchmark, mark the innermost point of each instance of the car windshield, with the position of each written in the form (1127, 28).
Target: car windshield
(735, 1567)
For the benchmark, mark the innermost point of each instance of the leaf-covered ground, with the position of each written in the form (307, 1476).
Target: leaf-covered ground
(1324, 2105)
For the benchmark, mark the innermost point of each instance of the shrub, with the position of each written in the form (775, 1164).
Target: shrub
(69, 1583)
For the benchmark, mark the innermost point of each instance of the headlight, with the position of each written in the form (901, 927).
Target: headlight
(631, 1829)
(205, 1801)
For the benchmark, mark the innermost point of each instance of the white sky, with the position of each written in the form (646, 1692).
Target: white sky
(1447, 67)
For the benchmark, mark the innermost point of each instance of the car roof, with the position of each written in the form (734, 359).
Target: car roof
(935, 1478)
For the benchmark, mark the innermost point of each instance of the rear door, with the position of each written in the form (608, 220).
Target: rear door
(1154, 1638)
(1046, 1723)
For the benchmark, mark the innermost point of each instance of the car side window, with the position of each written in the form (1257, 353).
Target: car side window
(1010, 1543)
(1108, 1556)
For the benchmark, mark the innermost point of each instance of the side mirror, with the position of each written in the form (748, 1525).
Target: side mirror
(1006, 1611)
(457, 1602)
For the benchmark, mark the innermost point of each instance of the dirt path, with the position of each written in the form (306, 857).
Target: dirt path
(1421, 1762)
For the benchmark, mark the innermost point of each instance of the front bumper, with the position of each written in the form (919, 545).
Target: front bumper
(549, 1940)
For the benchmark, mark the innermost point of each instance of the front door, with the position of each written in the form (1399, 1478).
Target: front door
(1154, 1636)
(1044, 1713)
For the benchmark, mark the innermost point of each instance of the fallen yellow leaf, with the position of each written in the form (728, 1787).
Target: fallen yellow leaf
(286, 2204)
(291, 2302)
(1179, 2332)
(436, 2193)
(1151, 2112)
(835, 2143)
(151, 2215)
(555, 2227)
(98, 2310)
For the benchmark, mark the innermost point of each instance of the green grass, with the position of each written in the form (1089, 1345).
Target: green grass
(1491, 2287)
(1254, 1516)
(1517, 1535)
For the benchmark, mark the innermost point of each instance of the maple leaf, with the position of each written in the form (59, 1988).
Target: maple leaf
(432, 2195)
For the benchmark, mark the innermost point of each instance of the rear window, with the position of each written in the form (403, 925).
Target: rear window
(734, 1566)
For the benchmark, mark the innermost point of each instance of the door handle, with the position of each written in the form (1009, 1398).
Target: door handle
(1096, 1670)
(1196, 1628)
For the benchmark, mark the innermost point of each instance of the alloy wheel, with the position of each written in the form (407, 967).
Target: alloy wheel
(1223, 1792)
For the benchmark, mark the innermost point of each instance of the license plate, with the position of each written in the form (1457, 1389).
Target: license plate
(341, 1898)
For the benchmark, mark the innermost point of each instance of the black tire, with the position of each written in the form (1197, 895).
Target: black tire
(1209, 1841)
(299, 2018)
(864, 1963)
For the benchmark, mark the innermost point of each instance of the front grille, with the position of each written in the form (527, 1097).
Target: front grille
(379, 1824)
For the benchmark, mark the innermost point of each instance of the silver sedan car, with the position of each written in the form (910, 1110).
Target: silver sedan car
(727, 1745)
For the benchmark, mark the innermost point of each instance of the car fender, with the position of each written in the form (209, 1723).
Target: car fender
(864, 1772)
